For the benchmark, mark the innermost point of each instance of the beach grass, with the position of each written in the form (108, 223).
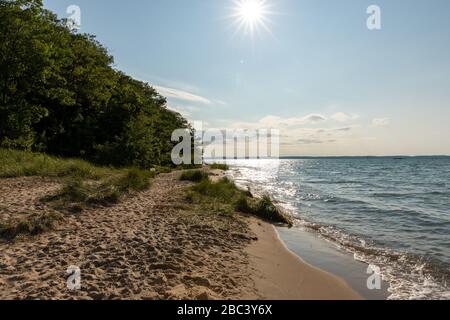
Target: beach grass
(212, 204)
(33, 225)
(84, 183)
(263, 208)
(224, 189)
(78, 193)
(194, 176)
(15, 163)
(225, 198)
(220, 166)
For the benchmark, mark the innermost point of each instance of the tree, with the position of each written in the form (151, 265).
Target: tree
(60, 94)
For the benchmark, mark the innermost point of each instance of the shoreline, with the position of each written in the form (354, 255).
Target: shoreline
(280, 274)
(293, 269)
(153, 246)
(325, 257)
(407, 271)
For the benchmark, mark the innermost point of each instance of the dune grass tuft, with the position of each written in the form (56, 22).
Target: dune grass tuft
(194, 176)
(263, 208)
(220, 166)
(34, 225)
(78, 193)
(224, 189)
(225, 197)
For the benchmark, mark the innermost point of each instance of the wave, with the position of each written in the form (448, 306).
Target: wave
(409, 194)
(409, 276)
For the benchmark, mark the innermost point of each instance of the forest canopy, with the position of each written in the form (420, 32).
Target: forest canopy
(60, 94)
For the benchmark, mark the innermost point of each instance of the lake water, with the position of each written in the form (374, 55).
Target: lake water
(393, 213)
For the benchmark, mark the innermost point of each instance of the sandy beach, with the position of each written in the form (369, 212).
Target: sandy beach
(152, 245)
(281, 275)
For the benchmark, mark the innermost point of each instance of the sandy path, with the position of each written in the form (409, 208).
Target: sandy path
(137, 249)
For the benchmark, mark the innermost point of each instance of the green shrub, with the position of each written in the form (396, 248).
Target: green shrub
(242, 205)
(267, 210)
(135, 179)
(75, 190)
(194, 176)
(263, 208)
(106, 195)
(224, 198)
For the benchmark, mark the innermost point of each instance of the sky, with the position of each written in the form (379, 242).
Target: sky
(310, 68)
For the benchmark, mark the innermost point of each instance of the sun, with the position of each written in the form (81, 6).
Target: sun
(251, 15)
(251, 11)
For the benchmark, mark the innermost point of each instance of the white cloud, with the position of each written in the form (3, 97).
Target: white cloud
(181, 95)
(279, 122)
(313, 141)
(300, 131)
(185, 111)
(381, 122)
(343, 117)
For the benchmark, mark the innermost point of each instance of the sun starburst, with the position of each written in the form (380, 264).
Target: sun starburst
(250, 16)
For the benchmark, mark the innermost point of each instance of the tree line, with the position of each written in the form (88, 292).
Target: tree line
(60, 94)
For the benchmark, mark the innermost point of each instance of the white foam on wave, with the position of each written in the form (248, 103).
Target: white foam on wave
(409, 277)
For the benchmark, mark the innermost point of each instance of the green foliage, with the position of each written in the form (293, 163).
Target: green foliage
(213, 203)
(84, 184)
(135, 180)
(242, 205)
(60, 94)
(220, 166)
(263, 208)
(194, 176)
(224, 189)
(78, 193)
(34, 225)
(21, 163)
(225, 198)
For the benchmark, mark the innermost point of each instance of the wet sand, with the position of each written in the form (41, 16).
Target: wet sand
(281, 275)
(329, 257)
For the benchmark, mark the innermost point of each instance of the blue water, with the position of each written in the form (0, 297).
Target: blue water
(390, 212)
